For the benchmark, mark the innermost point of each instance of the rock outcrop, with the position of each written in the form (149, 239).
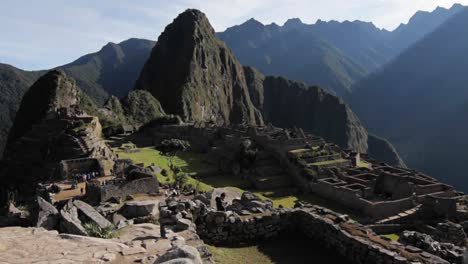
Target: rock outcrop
(91, 215)
(47, 215)
(70, 222)
(140, 107)
(293, 104)
(52, 91)
(195, 75)
(136, 209)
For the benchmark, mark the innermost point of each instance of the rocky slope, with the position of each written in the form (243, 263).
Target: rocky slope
(140, 107)
(52, 91)
(112, 70)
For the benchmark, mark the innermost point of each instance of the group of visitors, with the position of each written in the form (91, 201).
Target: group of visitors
(83, 177)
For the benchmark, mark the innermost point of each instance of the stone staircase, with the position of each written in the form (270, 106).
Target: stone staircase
(401, 217)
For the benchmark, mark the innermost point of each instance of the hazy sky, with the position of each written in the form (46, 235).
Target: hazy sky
(40, 34)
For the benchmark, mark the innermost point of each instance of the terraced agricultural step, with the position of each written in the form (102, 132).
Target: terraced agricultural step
(272, 182)
(267, 171)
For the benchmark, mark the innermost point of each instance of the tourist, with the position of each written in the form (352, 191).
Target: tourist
(82, 191)
(162, 230)
(220, 202)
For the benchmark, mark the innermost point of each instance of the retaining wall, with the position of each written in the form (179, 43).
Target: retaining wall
(321, 225)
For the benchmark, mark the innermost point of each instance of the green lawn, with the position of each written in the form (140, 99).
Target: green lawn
(194, 165)
(363, 164)
(328, 162)
(240, 255)
(150, 155)
(288, 249)
(393, 237)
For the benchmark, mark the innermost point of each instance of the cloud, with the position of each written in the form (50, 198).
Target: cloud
(44, 34)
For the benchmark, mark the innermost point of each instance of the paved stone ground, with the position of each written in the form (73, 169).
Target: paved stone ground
(138, 243)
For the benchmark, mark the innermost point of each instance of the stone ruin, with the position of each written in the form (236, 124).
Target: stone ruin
(65, 141)
(134, 179)
(356, 242)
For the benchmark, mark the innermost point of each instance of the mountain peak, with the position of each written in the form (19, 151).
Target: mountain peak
(195, 75)
(253, 23)
(192, 16)
(52, 91)
(293, 22)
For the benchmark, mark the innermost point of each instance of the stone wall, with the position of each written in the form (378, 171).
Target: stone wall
(362, 247)
(228, 228)
(96, 193)
(80, 166)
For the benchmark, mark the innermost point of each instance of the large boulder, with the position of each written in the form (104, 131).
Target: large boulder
(91, 215)
(136, 209)
(179, 261)
(13, 211)
(47, 215)
(183, 224)
(248, 197)
(69, 221)
(183, 252)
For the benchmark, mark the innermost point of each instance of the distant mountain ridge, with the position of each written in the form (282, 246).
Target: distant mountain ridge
(331, 54)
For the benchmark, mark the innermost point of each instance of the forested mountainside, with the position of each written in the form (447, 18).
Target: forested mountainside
(416, 100)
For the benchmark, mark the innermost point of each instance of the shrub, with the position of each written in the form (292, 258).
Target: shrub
(180, 179)
(94, 230)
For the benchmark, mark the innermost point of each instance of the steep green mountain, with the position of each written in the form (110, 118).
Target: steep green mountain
(194, 75)
(140, 107)
(112, 70)
(413, 98)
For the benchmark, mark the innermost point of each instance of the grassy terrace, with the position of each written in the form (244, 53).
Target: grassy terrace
(328, 162)
(195, 166)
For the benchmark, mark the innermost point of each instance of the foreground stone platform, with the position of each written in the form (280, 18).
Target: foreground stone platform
(139, 243)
